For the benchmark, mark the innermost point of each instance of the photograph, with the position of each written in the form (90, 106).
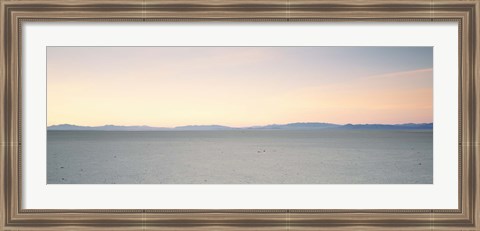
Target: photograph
(239, 115)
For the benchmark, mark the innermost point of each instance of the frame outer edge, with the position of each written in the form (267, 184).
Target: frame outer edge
(471, 95)
(473, 122)
(3, 162)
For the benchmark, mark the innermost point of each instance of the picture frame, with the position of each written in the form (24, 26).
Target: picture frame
(13, 13)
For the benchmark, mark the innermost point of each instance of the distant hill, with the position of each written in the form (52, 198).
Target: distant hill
(290, 126)
(297, 126)
(203, 127)
(388, 126)
(69, 127)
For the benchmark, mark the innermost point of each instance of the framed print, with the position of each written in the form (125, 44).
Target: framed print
(265, 115)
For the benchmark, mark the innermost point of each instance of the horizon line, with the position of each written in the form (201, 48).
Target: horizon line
(249, 126)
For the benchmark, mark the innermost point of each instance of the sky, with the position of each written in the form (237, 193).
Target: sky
(238, 86)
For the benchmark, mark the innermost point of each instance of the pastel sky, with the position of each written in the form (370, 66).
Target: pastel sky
(238, 86)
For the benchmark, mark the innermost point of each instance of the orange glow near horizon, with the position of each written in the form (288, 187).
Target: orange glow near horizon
(238, 86)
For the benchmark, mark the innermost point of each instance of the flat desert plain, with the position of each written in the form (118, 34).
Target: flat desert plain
(241, 157)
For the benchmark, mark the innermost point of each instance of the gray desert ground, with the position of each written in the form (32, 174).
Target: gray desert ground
(324, 156)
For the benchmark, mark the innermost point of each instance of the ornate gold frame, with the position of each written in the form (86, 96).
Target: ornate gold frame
(14, 12)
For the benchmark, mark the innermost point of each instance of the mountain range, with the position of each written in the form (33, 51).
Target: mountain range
(290, 126)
